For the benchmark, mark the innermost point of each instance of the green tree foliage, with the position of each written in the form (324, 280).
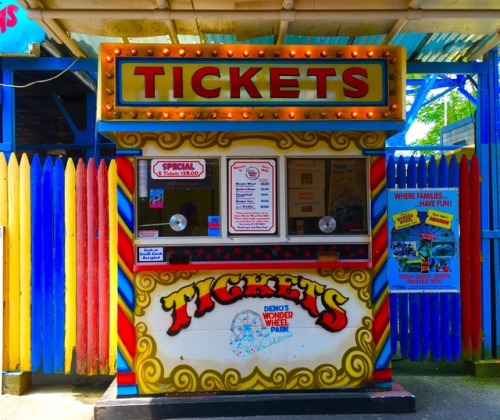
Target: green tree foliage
(445, 110)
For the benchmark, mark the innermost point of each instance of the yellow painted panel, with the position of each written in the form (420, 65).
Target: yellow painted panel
(113, 265)
(3, 222)
(25, 262)
(70, 263)
(13, 350)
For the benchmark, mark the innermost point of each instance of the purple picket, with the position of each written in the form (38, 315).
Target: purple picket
(36, 264)
(47, 269)
(455, 307)
(444, 297)
(425, 320)
(402, 297)
(432, 182)
(393, 297)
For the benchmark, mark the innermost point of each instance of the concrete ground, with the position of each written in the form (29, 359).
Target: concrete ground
(442, 391)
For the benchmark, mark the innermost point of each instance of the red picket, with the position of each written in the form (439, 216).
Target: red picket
(81, 269)
(475, 256)
(103, 277)
(92, 271)
(464, 194)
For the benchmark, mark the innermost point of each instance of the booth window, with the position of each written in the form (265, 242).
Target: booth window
(178, 197)
(327, 196)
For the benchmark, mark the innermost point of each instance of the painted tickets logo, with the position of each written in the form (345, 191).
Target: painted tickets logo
(439, 219)
(320, 302)
(406, 219)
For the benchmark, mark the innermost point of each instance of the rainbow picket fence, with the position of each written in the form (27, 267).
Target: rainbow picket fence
(60, 268)
(59, 265)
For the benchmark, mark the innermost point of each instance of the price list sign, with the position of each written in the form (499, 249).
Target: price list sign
(252, 196)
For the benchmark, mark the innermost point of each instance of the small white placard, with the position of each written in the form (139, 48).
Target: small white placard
(151, 254)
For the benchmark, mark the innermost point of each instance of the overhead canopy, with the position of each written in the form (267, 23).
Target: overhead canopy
(431, 30)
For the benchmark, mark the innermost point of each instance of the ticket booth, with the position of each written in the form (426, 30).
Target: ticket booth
(251, 214)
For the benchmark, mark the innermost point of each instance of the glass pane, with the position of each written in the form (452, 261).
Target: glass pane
(327, 196)
(183, 201)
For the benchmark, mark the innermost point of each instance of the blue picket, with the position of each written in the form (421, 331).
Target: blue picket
(444, 297)
(36, 264)
(455, 307)
(425, 320)
(58, 258)
(432, 182)
(47, 268)
(402, 297)
(393, 297)
(411, 182)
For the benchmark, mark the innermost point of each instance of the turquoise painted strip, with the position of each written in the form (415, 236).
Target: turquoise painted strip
(125, 390)
(121, 364)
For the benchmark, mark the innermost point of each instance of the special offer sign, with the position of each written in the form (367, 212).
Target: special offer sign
(252, 196)
(178, 169)
(423, 240)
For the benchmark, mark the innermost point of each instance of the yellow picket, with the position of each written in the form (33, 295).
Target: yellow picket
(25, 263)
(113, 264)
(70, 263)
(3, 222)
(13, 351)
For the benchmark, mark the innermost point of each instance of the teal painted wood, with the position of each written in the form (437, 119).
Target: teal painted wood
(47, 269)
(58, 258)
(36, 264)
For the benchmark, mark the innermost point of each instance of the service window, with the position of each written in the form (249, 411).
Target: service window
(327, 196)
(178, 197)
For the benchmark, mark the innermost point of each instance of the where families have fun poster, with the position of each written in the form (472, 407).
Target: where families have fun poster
(423, 240)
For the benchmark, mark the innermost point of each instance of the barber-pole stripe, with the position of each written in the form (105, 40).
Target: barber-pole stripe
(382, 374)
(126, 342)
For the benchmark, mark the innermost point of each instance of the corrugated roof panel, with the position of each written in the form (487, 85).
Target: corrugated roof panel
(316, 40)
(410, 41)
(369, 40)
(445, 47)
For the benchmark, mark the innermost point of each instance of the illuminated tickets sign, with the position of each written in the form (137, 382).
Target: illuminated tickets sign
(178, 169)
(190, 82)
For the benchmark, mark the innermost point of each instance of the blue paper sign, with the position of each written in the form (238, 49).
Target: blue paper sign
(423, 240)
(16, 30)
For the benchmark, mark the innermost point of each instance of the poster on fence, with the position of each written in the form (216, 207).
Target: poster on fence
(423, 240)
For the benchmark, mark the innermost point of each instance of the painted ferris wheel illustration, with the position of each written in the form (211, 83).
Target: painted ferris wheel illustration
(247, 325)
(249, 334)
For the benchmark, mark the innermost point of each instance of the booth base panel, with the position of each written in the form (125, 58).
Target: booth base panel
(208, 405)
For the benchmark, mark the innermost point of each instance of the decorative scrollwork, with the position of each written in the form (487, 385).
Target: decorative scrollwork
(335, 140)
(355, 371)
(358, 279)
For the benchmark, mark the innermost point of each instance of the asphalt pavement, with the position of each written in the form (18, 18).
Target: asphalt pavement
(442, 391)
